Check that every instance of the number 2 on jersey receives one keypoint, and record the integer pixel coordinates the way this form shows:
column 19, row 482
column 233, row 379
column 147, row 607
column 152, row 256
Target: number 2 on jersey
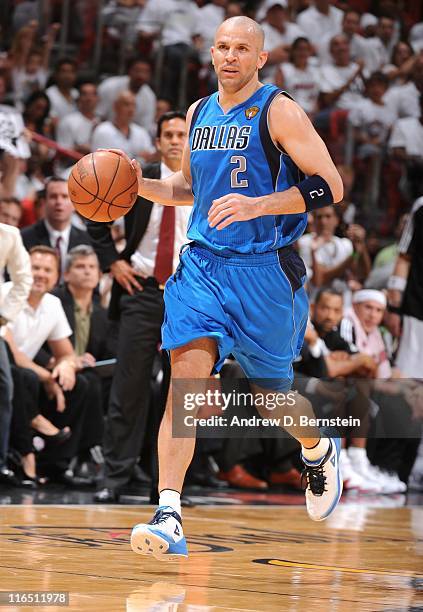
column 241, row 166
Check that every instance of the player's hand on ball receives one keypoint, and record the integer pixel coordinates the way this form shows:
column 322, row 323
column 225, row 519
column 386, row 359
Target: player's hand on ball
column 136, row 166
column 232, row 207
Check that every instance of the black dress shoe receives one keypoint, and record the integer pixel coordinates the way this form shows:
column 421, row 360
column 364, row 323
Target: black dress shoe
column 205, row 479
column 7, row 476
column 61, row 436
column 106, row 496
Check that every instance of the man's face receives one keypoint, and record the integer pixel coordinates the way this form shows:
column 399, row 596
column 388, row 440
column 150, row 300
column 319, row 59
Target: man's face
column 44, row 272
column 58, row 205
column 139, row 74
column 351, row 23
column 66, row 75
column 125, row 108
column 325, row 220
column 88, row 98
column 10, row 213
column 328, row 311
column 370, row 314
column 340, row 50
column 236, row 56
column 84, row 273
column 172, row 139
column 385, row 29
column 276, row 16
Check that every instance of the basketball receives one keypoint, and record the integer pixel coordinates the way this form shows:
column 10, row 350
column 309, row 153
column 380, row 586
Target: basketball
column 103, row 186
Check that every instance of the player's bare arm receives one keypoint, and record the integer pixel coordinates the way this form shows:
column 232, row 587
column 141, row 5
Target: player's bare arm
column 293, row 133
column 174, row 190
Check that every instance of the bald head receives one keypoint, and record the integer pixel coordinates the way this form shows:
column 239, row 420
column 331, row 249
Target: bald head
column 245, row 26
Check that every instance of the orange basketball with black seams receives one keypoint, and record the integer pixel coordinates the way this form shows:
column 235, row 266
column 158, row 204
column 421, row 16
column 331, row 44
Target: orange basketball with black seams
column 103, row 186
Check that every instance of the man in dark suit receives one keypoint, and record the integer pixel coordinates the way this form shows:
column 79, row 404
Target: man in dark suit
column 154, row 235
column 56, row 229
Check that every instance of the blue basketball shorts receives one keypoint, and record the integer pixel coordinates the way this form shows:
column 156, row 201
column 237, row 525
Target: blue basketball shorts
column 254, row 306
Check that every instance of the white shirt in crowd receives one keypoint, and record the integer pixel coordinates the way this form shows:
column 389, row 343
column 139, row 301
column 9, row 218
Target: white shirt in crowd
column 144, row 258
column 178, row 20
column 73, row 131
column 303, row 85
column 145, row 100
column 333, row 77
column 272, row 39
column 211, row 16
column 330, row 254
column 32, row 328
column 404, row 100
column 375, row 119
column 357, row 48
column 107, row 135
column 24, row 83
column 407, row 134
column 60, row 106
column 316, row 25
column 15, row 258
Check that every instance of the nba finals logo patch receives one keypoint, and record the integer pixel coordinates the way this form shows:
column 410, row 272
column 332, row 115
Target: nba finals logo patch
column 251, row 112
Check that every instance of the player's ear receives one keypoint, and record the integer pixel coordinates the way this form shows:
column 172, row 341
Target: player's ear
column 262, row 59
column 212, row 55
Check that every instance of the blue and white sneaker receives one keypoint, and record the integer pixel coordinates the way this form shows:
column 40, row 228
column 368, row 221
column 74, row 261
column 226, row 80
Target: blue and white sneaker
column 163, row 537
column 323, row 482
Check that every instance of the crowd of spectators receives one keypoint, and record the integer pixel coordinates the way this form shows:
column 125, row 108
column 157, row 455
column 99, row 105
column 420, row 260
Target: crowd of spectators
column 356, row 68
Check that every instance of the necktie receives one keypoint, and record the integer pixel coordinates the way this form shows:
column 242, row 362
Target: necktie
column 164, row 259
column 58, row 249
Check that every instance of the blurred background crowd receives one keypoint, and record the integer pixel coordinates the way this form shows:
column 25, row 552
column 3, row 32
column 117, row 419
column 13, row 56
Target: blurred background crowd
column 82, row 378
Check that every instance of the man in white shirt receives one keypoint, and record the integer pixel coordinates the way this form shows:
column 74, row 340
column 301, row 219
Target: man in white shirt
column 74, row 130
column 63, row 94
column 177, row 23
column 404, row 100
column 122, row 132
column 328, row 257
column 320, row 20
column 14, row 257
column 279, row 34
column 138, row 82
column 42, row 319
column 56, row 229
column 155, row 235
column 342, row 85
column 350, row 28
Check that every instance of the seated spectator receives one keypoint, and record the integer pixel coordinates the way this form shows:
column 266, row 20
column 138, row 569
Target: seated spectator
column 62, row 94
column 122, row 132
column 30, row 71
column 329, row 259
column 406, row 145
column 56, row 229
column 66, row 398
column 350, row 29
column 404, row 99
column 177, row 23
column 299, row 78
column 361, row 327
column 10, row 211
column 401, row 65
column 279, row 34
column 74, row 131
column 341, row 82
column 319, row 20
column 13, row 257
column 88, row 320
column 138, row 82
column 384, row 262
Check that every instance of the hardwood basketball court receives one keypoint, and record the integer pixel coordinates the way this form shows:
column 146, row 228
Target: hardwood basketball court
column 241, row 558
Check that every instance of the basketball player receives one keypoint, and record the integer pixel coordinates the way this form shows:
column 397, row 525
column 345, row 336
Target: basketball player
column 239, row 288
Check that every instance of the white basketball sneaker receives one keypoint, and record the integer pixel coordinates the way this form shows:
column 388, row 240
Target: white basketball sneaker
column 350, row 478
column 163, row 537
column 324, row 482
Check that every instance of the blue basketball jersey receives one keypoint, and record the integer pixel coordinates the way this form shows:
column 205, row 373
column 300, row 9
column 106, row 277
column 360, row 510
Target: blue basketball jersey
column 234, row 153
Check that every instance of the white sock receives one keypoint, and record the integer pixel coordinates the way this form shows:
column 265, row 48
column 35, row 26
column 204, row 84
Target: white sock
column 169, row 497
column 317, row 452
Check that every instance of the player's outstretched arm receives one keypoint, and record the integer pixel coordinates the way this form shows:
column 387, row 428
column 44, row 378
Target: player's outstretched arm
column 294, row 133
column 174, row 190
